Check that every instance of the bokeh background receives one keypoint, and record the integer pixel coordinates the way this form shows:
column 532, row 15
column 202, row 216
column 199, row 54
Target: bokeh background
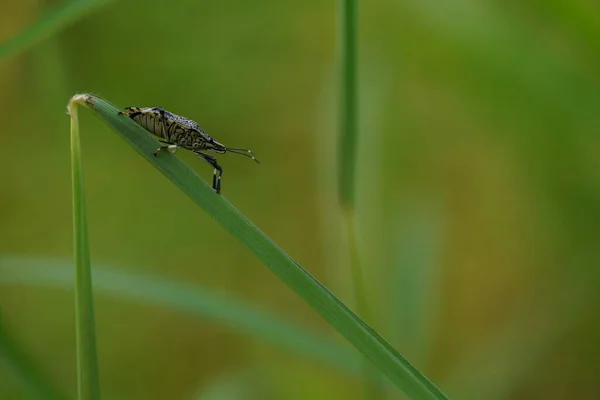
column 478, row 196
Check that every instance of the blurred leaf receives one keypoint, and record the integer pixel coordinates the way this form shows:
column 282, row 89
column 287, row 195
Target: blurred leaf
column 579, row 18
column 237, row 385
column 355, row 330
column 189, row 299
column 498, row 48
column 15, row 357
column 413, row 283
column 87, row 357
column 50, row 23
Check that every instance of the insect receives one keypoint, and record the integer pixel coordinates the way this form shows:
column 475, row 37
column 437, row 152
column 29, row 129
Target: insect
column 179, row 132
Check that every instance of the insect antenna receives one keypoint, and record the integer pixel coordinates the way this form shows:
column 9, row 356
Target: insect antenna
column 243, row 152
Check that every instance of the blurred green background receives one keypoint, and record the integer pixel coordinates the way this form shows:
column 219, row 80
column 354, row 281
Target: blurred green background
column 478, row 196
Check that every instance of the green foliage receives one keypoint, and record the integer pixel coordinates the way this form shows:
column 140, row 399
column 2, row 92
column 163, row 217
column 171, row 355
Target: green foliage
column 488, row 110
column 356, row 331
column 50, row 24
column 192, row 300
column 87, row 358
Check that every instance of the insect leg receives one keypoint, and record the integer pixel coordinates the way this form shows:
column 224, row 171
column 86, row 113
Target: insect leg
column 128, row 113
column 161, row 148
column 213, row 161
column 163, row 119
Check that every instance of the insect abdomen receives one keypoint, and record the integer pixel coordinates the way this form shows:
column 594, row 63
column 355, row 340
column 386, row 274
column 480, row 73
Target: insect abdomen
column 153, row 124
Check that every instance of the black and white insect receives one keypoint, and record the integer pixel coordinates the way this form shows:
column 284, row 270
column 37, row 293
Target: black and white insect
column 180, row 132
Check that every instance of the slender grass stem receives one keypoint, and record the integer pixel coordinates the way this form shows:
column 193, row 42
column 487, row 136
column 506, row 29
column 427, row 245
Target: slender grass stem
column 348, row 101
column 87, row 359
column 348, row 141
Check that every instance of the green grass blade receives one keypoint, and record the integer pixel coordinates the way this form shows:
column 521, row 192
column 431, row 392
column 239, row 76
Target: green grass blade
column 87, row 359
column 185, row 298
column 49, row 24
column 348, row 102
column 356, row 331
column 348, row 138
column 15, row 357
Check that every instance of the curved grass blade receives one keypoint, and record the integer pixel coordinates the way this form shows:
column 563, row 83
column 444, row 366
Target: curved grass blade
column 354, row 329
column 189, row 299
column 88, row 385
column 49, row 24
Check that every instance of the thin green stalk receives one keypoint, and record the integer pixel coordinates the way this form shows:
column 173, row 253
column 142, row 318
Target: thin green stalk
column 355, row 266
column 354, row 329
column 87, row 359
column 347, row 162
column 348, row 102
column 415, row 244
column 374, row 388
column 348, row 138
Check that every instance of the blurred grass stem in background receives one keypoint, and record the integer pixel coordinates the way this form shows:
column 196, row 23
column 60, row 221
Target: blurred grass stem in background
column 348, row 102
column 49, row 24
column 347, row 149
column 192, row 300
column 87, row 358
column 355, row 330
